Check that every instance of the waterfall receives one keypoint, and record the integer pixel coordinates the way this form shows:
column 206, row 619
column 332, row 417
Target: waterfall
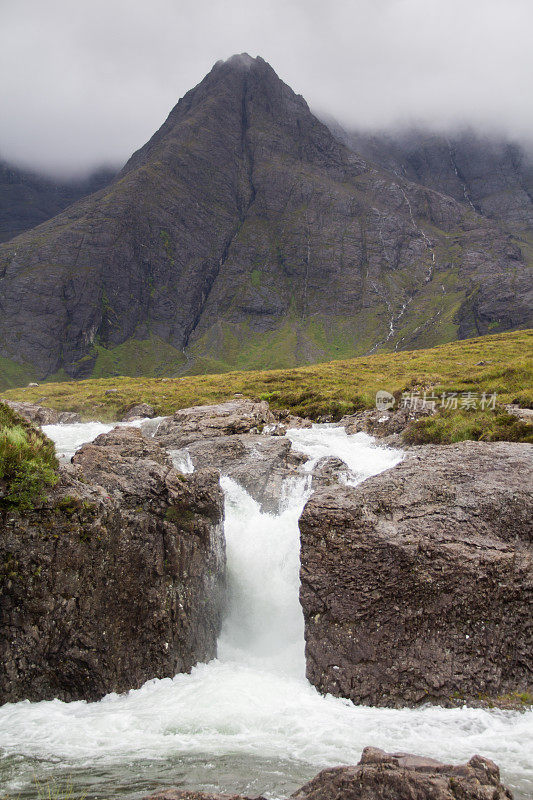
column 247, row 721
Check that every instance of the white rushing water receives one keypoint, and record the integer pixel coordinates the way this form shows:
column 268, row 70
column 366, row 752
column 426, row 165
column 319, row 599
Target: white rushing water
column 247, row 721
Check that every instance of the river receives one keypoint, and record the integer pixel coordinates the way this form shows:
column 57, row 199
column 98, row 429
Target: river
column 247, row 721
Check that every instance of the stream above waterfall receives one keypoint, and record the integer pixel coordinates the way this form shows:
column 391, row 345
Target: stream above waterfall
column 247, row 721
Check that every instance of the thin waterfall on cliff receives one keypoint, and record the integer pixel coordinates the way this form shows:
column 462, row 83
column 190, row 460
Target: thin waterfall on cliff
column 247, row 721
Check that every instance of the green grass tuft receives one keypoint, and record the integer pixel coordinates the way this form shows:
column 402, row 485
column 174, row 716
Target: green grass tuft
column 28, row 464
column 448, row 427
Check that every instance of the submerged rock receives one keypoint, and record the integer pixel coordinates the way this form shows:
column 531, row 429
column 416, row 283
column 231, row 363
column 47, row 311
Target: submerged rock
column 400, row 776
column 387, row 776
column 117, row 578
column 416, row 585
column 205, row 422
column 41, row 415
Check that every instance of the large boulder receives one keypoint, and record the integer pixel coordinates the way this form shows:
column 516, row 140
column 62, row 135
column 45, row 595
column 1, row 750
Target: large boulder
column 417, row 585
column 117, row 578
column 386, row 776
column 330, row 470
column 139, row 411
column 41, row 415
column 399, row 776
column 258, row 463
column 205, row 422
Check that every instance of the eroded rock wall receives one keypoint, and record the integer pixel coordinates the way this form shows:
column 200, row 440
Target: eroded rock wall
column 117, row 578
column 417, row 585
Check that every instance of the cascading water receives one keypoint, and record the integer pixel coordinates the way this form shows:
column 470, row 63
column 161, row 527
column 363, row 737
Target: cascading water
column 247, row 721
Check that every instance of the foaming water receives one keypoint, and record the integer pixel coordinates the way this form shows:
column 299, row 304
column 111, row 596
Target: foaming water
column 247, row 721
column 359, row 451
column 69, row 438
column 264, row 626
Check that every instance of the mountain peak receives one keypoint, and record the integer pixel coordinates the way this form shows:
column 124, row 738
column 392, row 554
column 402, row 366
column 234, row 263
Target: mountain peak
column 243, row 60
column 243, row 234
column 243, row 63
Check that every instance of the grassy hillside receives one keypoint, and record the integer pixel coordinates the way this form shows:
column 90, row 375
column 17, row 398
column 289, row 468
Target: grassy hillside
column 500, row 364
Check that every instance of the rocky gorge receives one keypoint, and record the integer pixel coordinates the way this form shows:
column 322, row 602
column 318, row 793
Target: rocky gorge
column 415, row 581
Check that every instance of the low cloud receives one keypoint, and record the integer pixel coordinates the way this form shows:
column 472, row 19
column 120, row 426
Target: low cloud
column 86, row 83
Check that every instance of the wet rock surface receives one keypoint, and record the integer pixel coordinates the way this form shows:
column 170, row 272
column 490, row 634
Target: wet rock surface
column 417, row 585
column 205, row 422
column 139, row 411
column 116, row 579
column 385, row 425
column 400, row 776
column 258, row 463
column 177, row 794
column 329, row 471
column 387, row 776
column 41, row 415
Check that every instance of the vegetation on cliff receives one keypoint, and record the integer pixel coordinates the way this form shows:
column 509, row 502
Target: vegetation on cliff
column 28, row 464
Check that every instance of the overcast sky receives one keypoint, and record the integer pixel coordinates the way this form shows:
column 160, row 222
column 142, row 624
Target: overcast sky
column 88, row 81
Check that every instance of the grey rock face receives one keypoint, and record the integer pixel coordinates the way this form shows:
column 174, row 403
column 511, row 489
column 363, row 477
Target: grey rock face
column 116, row 579
column 139, row 412
column 385, row 425
column 243, row 230
column 417, row 585
column 400, row 776
column 492, row 176
column 258, row 463
column 41, row 415
column 225, row 437
column 330, row 470
column 204, row 422
column 27, row 199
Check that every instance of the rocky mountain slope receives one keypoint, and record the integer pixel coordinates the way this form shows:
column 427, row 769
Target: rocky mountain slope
column 244, row 234
column 492, row 176
column 27, row 198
